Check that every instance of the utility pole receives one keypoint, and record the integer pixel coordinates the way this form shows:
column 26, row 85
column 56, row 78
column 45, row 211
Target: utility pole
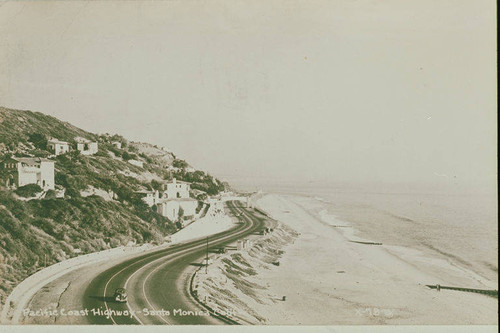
column 206, row 260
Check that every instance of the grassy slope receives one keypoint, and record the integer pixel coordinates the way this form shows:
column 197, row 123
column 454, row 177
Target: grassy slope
column 31, row 231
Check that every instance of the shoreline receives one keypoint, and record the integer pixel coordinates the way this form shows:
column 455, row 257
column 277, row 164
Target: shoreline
column 418, row 254
column 361, row 283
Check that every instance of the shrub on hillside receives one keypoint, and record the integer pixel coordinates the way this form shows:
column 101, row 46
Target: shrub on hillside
column 146, row 157
column 114, row 150
column 51, row 194
column 129, row 156
column 45, row 225
column 156, row 185
column 40, row 153
column 101, row 153
column 39, row 140
column 180, row 164
column 28, row 191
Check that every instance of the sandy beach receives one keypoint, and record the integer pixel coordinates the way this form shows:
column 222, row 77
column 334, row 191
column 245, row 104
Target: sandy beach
column 329, row 280
column 365, row 284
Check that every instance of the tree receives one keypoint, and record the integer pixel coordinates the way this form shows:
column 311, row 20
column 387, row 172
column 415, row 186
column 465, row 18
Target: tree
column 181, row 213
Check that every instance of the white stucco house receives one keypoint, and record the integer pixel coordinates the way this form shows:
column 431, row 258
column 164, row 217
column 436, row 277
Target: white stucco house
column 85, row 146
column 175, row 197
column 177, row 189
column 171, row 207
column 117, row 144
column 30, row 170
column 172, row 200
column 57, row 146
column 151, row 198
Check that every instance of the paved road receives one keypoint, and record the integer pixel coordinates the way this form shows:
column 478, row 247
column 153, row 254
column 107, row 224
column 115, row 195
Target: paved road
column 159, row 282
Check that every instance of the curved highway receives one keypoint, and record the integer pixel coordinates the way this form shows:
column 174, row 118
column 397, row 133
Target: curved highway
column 158, row 282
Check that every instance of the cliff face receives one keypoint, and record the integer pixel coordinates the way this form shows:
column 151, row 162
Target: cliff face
column 100, row 208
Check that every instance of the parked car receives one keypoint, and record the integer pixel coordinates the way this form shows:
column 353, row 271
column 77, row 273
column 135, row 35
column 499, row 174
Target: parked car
column 120, row 295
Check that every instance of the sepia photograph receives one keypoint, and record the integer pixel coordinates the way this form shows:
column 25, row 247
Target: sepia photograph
column 258, row 163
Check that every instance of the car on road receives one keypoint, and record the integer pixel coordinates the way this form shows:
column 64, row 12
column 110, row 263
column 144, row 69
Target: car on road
column 120, row 295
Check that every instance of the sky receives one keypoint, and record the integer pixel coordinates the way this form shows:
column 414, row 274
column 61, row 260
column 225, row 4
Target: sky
column 261, row 91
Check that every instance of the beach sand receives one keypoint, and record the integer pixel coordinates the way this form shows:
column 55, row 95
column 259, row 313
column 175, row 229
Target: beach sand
column 329, row 280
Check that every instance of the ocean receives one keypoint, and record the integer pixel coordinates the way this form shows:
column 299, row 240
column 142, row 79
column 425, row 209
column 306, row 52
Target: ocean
column 453, row 222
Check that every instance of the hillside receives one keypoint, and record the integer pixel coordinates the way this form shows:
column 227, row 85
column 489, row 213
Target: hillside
column 100, row 208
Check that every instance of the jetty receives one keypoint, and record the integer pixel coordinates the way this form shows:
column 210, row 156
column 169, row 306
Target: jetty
column 492, row 293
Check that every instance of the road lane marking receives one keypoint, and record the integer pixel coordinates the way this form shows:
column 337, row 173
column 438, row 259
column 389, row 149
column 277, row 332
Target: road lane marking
column 105, row 289
column 146, row 297
column 178, row 255
column 175, row 253
column 169, row 261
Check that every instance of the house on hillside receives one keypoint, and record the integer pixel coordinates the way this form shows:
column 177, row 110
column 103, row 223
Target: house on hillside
column 177, row 189
column 172, row 202
column 151, row 198
column 29, row 170
column 175, row 200
column 173, row 208
column 117, row 144
column 57, row 146
column 85, row 146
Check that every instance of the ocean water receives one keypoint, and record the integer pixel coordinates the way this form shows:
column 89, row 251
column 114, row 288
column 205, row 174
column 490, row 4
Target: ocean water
column 452, row 222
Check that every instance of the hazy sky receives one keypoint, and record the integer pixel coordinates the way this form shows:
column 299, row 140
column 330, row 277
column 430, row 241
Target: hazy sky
column 386, row 90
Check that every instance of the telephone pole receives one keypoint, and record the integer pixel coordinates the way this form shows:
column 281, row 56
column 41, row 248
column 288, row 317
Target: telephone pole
column 206, row 259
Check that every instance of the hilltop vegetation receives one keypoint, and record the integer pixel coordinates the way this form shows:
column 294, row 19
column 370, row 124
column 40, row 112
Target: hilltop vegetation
column 53, row 229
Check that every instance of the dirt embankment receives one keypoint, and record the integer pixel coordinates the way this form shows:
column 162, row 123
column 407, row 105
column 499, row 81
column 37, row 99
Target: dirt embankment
column 232, row 285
